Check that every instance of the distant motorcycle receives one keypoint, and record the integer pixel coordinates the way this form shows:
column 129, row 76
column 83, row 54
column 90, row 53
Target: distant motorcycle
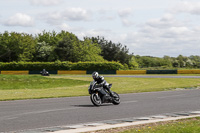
column 99, row 95
column 44, row 73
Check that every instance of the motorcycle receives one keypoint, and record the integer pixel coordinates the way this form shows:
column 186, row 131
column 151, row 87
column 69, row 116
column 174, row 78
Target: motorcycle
column 99, row 95
column 44, row 73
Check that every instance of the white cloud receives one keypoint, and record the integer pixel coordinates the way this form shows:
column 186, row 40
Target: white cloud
column 187, row 7
column 127, row 22
column 125, row 12
column 82, row 32
column 95, row 32
column 179, row 30
column 46, row 2
column 106, row 15
column 53, row 18
column 75, row 14
column 70, row 14
column 69, row 28
column 163, row 36
column 124, row 15
column 20, row 19
column 64, row 26
column 166, row 21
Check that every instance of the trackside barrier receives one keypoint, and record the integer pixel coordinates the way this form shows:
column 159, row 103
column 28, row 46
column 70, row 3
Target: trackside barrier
column 131, row 72
column 15, row 72
column 102, row 72
column 38, row 72
column 125, row 72
column 161, row 72
column 188, row 71
column 71, row 72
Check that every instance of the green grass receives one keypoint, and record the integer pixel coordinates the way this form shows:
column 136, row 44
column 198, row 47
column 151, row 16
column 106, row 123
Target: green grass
column 10, row 82
column 134, row 85
column 180, row 126
column 13, row 87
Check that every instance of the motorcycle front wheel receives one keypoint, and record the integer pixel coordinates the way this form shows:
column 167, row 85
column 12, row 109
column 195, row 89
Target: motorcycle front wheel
column 95, row 98
column 116, row 99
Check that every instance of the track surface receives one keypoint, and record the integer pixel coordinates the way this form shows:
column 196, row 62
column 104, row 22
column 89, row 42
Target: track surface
column 32, row 114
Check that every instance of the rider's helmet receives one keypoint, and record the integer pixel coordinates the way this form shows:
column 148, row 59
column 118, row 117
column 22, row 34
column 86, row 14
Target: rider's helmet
column 95, row 75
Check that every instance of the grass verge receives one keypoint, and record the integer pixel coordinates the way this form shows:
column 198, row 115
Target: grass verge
column 191, row 125
column 135, row 85
column 15, row 87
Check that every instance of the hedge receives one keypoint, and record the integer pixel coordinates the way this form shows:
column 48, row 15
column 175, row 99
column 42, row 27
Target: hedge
column 38, row 66
column 96, row 66
column 35, row 66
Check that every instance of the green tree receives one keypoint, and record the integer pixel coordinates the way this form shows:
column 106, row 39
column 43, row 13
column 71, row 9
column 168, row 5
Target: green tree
column 112, row 51
column 168, row 60
column 27, row 47
column 133, row 63
column 52, row 41
column 64, row 49
column 181, row 61
column 49, row 38
column 74, row 50
column 148, row 61
column 88, row 51
column 195, row 60
column 4, row 47
column 16, row 47
column 43, row 52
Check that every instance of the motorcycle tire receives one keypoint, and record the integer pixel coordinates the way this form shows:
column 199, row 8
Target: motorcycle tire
column 95, row 99
column 116, row 99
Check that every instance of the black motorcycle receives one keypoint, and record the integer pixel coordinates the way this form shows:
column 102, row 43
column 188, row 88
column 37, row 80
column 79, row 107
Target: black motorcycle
column 44, row 73
column 99, row 95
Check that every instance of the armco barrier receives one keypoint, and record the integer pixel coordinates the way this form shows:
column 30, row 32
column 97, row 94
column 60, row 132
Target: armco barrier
column 14, row 72
column 131, row 72
column 38, row 72
column 188, row 71
column 102, row 72
column 161, row 72
column 125, row 72
column 71, row 72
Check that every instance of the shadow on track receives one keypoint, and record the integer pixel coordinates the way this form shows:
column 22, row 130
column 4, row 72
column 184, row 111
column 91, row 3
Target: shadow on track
column 88, row 106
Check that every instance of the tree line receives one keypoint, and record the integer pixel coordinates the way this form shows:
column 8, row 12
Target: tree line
column 65, row 46
column 168, row 62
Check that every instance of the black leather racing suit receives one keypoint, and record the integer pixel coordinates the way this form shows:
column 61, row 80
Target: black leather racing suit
column 101, row 82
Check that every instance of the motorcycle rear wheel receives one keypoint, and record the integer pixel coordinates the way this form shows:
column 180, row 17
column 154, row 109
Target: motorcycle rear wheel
column 95, row 99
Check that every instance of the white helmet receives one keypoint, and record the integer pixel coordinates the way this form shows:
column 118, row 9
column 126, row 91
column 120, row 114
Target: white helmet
column 95, row 75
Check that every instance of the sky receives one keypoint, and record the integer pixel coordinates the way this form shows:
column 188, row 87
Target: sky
column 147, row 27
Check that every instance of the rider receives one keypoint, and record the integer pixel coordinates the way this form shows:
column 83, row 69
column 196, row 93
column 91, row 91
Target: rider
column 44, row 72
column 101, row 82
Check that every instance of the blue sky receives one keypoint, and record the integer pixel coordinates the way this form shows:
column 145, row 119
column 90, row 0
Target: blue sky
column 152, row 28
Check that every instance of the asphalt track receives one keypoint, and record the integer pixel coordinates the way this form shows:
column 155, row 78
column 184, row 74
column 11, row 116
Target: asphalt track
column 40, row 113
